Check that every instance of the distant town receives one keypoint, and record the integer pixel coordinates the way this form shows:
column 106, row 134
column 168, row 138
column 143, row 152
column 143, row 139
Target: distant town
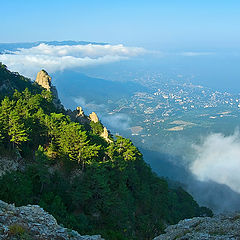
column 174, row 106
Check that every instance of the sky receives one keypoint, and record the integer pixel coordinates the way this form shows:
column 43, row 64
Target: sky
column 156, row 24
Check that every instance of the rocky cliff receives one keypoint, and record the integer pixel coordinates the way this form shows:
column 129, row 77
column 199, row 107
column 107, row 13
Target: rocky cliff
column 78, row 115
column 45, row 81
column 32, row 222
column 219, row 227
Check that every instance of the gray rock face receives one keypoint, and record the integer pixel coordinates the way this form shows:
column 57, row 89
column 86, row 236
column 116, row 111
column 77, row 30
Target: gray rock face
column 220, row 227
column 78, row 115
column 8, row 165
column 13, row 163
column 33, row 222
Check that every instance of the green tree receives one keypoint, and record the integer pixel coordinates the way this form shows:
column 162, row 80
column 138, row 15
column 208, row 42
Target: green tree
column 5, row 110
column 74, row 143
column 17, row 131
column 2, row 131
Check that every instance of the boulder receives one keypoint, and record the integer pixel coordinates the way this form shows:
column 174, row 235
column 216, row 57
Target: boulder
column 219, row 227
column 32, row 222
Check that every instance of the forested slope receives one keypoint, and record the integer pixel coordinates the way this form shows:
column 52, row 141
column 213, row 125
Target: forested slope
column 87, row 183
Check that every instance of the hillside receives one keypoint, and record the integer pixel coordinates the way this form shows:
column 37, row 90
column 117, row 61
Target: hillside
column 71, row 166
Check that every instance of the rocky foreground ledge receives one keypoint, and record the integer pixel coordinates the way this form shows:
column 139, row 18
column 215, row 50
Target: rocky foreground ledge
column 219, row 227
column 32, row 222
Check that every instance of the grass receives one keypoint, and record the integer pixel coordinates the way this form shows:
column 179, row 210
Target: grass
column 19, row 232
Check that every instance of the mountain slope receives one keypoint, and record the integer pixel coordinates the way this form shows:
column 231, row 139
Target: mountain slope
column 88, row 184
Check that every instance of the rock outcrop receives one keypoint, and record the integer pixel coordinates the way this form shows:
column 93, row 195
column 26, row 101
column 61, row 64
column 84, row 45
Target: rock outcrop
column 32, row 222
column 219, row 227
column 8, row 165
column 11, row 163
column 93, row 117
column 105, row 135
column 80, row 112
column 78, row 115
column 44, row 80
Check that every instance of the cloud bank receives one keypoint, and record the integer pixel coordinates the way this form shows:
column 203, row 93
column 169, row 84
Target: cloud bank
column 28, row 61
column 89, row 106
column 117, row 121
column 195, row 54
column 218, row 159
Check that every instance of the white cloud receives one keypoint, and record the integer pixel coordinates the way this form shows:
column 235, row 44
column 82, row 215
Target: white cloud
column 194, row 54
column 28, row 61
column 88, row 106
column 118, row 121
column 218, row 159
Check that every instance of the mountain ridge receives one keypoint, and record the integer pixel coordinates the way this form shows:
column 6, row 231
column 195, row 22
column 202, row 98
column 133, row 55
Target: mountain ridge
column 87, row 183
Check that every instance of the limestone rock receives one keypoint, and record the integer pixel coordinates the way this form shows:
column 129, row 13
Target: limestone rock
column 93, row 117
column 44, row 80
column 78, row 115
column 80, row 112
column 219, row 227
column 35, row 223
column 105, row 135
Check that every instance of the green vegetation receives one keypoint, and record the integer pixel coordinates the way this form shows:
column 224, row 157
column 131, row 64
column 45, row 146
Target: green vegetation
column 10, row 81
column 18, row 232
column 87, row 184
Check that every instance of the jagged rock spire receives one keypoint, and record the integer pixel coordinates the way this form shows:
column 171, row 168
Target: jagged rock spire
column 80, row 112
column 93, row 117
column 44, row 80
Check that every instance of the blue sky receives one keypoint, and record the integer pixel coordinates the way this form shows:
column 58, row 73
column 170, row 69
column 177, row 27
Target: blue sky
column 157, row 24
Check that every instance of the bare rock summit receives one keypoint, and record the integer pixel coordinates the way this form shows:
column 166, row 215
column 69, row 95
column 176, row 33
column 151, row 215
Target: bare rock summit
column 44, row 80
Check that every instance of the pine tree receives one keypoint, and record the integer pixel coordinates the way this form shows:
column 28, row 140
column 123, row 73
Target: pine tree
column 74, row 143
column 17, row 131
column 1, row 132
